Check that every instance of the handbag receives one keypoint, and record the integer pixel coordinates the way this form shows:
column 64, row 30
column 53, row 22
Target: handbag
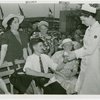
column 22, row 81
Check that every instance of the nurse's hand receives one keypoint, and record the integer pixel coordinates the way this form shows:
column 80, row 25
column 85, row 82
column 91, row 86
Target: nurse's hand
column 71, row 56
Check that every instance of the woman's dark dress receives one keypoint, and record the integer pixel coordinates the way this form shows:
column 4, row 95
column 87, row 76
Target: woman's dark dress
column 15, row 48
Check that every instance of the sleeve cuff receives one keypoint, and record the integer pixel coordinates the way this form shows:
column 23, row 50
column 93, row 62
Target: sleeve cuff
column 79, row 53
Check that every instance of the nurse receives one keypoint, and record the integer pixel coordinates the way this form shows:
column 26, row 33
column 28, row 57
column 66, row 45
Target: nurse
column 89, row 77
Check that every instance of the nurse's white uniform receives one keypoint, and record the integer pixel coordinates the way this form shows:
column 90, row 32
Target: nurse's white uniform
column 89, row 77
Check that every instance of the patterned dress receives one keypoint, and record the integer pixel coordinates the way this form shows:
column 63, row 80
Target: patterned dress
column 66, row 77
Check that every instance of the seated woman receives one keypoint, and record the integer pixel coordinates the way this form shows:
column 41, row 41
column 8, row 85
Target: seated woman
column 66, row 74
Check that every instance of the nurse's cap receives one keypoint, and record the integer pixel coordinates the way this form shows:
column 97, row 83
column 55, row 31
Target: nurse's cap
column 88, row 8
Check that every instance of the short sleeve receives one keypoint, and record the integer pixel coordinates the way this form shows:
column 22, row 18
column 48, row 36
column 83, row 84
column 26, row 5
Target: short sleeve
column 28, row 64
column 5, row 39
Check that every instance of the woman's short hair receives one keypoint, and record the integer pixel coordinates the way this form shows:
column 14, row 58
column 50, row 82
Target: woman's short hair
column 87, row 14
column 9, row 23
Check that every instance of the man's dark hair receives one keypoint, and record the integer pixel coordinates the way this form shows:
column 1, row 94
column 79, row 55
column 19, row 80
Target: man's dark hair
column 35, row 41
column 87, row 14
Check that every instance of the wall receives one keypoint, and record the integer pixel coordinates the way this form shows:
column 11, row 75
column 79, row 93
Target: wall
column 32, row 10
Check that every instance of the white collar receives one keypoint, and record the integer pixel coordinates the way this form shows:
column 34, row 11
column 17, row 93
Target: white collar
column 94, row 25
column 37, row 55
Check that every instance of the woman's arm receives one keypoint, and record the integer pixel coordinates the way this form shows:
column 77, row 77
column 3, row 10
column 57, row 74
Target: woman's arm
column 93, row 44
column 25, row 54
column 3, row 53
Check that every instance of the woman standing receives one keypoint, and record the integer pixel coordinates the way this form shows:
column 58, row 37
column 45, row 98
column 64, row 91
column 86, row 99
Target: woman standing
column 14, row 43
column 89, row 77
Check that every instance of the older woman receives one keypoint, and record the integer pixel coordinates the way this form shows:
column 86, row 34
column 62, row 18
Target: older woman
column 43, row 34
column 69, row 70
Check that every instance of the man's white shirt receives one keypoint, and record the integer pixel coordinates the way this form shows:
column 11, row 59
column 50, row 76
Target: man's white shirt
column 33, row 63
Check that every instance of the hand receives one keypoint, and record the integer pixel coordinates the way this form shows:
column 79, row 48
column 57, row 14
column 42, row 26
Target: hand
column 71, row 56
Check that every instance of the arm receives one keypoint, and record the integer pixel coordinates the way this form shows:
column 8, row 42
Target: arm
column 25, row 45
column 25, row 54
column 91, row 47
column 3, row 53
column 40, row 74
column 4, row 46
column 29, row 68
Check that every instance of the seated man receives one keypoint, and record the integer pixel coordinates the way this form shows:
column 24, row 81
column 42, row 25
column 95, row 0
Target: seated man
column 37, row 65
column 69, row 70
